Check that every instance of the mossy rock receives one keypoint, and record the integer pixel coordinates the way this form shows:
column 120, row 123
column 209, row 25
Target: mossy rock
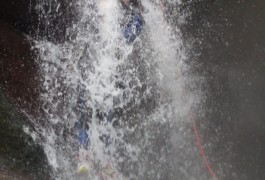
column 18, row 152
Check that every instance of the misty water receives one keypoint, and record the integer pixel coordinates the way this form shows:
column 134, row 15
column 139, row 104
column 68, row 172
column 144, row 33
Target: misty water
column 148, row 81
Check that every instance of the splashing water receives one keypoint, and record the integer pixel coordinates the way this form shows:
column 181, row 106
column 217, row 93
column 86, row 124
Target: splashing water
column 144, row 80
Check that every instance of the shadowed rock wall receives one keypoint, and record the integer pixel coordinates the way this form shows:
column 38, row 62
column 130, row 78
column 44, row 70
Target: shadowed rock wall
column 20, row 157
column 19, row 74
column 228, row 51
column 20, row 82
column 40, row 19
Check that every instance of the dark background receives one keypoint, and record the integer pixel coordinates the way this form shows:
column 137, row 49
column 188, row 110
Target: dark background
column 228, row 51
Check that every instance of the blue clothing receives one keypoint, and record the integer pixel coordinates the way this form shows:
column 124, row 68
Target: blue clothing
column 82, row 125
column 133, row 28
column 84, row 139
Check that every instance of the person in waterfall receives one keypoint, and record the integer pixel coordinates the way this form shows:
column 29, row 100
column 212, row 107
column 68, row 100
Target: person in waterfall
column 84, row 116
column 82, row 126
column 133, row 21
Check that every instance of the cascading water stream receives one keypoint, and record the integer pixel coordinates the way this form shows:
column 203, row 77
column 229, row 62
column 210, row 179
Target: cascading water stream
column 145, row 80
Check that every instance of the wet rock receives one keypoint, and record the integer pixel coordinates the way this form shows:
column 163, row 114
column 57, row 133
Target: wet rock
column 19, row 74
column 40, row 19
column 20, row 157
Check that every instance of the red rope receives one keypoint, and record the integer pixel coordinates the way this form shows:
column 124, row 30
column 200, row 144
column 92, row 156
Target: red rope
column 209, row 167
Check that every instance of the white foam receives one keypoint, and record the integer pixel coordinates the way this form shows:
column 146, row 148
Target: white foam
column 91, row 59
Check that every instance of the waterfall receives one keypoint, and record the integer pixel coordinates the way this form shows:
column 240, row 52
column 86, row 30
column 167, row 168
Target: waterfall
column 146, row 81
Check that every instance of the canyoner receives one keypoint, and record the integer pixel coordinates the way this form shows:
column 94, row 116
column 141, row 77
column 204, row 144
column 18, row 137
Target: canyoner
column 131, row 25
column 103, row 91
column 87, row 166
column 133, row 21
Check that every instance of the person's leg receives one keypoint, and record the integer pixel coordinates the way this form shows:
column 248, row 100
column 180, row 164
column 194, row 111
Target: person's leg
column 84, row 140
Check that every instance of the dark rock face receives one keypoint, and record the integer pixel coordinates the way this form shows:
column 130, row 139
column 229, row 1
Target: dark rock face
column 40, row 19
column 19, row 81
column 20, row 157
column 19, row 76
column 228, row 41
